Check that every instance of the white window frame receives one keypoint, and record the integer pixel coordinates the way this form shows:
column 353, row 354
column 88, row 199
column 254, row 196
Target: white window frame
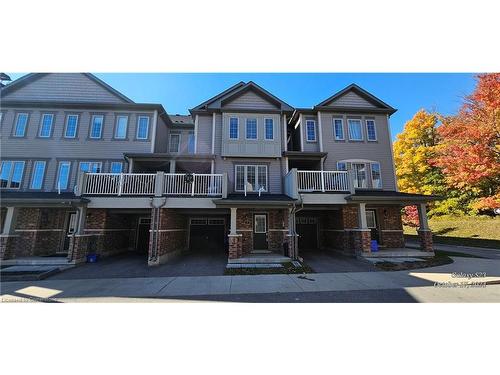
column 374, row 129
column 360, row 129
column 237, row 128
column 338, row 166
column 190, row 150
column 380, row 175
column 256, row 129
column 92, row 126
column 41, row 125
column 116, row 127
column 76, row 126
column 307, row 133
column 265, row 128
column 137, row 130
column 373, row 216
column 116, row 163
column 11, row 173
column 245, row 176
column 171, row 135
column 91, row 165
column 33, row 174
column 59, row 167
column 335, row 129
column 255, row 216
column 14, row 133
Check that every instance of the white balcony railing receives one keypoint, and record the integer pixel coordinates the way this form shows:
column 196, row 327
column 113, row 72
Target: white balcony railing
column 324, row 181
column 156, row 184
column 196, row 184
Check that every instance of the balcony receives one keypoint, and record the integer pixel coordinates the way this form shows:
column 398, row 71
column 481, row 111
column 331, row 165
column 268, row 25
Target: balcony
column 152, row 184
column 298, row 181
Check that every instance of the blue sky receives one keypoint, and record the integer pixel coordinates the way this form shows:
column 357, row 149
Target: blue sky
column 408, row 92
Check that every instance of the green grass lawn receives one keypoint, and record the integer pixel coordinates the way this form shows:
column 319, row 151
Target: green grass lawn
column 480, row 231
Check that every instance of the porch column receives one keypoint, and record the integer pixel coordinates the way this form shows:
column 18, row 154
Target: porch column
column 7, row 238
column 424, row 233
column 235, row 239
column 82, row 217
column 172, row 166
column 363, row 237
column 293, row 248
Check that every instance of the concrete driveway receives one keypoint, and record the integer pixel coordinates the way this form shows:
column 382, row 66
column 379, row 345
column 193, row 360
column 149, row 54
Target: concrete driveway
column 330, row 262
column 132, row 265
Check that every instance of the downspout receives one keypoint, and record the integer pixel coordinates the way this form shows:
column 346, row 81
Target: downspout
column 155, row 225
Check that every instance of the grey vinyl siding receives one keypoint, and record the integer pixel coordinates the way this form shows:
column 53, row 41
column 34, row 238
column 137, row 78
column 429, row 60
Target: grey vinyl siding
column 274, row 171
column 161, row 141
column 57, row 148
column 379, row 151
column 218, row 134
column 64, row 87
column 204, row 138
column 250, row 100
column 309, row 146
column 252, row 148
column 351, row 99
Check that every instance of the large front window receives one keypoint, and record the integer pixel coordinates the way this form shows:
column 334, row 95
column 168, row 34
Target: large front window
column 376, row 179
column 38, row 173
column 251, row 128
column 355, row 130
column 96, row 127
column 311, row 130
column 71, row 126
column 269, row 129
column 121, row 127
column 233, row 128
column 251, row 178
column 11, row 174
column 142, row 127
column 175, row 141
column 21, row 125
column 191, row 142
column 46, row 125
column 359, row 175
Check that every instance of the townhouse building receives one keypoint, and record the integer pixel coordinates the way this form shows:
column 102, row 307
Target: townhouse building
column 85, row 170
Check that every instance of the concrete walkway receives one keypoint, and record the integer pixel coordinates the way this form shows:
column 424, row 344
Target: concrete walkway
column 448, row 283
column 478, row 251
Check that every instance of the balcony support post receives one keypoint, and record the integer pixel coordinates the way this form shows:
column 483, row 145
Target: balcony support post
column 159, row 183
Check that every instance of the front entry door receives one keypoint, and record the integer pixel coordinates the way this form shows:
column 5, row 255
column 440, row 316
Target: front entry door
column 371, row 222
column 260, row 232
column 70, row 229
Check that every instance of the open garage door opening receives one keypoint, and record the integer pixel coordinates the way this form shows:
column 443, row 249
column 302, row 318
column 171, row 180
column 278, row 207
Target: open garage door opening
column 207, row 235
column 307, row 229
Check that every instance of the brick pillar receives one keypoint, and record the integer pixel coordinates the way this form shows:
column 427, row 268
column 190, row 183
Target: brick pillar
column 293, row 246
column 7, row 246
column 235, row 246
column 361, row 240
column 425, row 237
column 169, row 238
column 80, row 247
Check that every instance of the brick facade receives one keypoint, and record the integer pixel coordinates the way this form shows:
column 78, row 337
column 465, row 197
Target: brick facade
column 425, row 237
column 37, row 232
column 390, row 226
column 169, row 238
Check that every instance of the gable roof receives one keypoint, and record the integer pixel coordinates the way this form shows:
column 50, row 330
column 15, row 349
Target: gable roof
column 239, row 89
column 32, row 77
column 362, row 93
column 181, row 119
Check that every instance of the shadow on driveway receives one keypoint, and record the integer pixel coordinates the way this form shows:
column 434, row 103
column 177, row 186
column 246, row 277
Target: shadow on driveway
column 136, row 265
column 331, row 262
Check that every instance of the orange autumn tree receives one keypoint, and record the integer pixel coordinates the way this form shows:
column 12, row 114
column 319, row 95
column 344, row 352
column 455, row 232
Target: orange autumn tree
column 469, row 150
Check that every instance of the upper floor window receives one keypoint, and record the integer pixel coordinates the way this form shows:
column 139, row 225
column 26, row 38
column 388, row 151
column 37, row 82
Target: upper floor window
column 342, row 166
column 38, row 174
column 121, row 127
column 175, row 141
column 359, row 175
column 63, row 175
column 91, row 166
column 371, row 131
column 71, row 126
column 233, row 128
column 376, row 177
column 338, row 129
column 142, row 127
column 11, row 174
column 251, row 128
column 355, row 130
column 46, row 125
column 116, row 167
column 250, row 178
column 311, row 131
column 96, row 127
column 21, row 125
column 191, row 142
column 269, row 129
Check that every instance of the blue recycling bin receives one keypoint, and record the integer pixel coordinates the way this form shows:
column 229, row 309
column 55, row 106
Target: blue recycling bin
column 374, row 245
column 91, row 258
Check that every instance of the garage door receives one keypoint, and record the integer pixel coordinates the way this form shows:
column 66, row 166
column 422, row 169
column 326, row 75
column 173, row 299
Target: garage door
column 307, row 228
column 206, row 234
